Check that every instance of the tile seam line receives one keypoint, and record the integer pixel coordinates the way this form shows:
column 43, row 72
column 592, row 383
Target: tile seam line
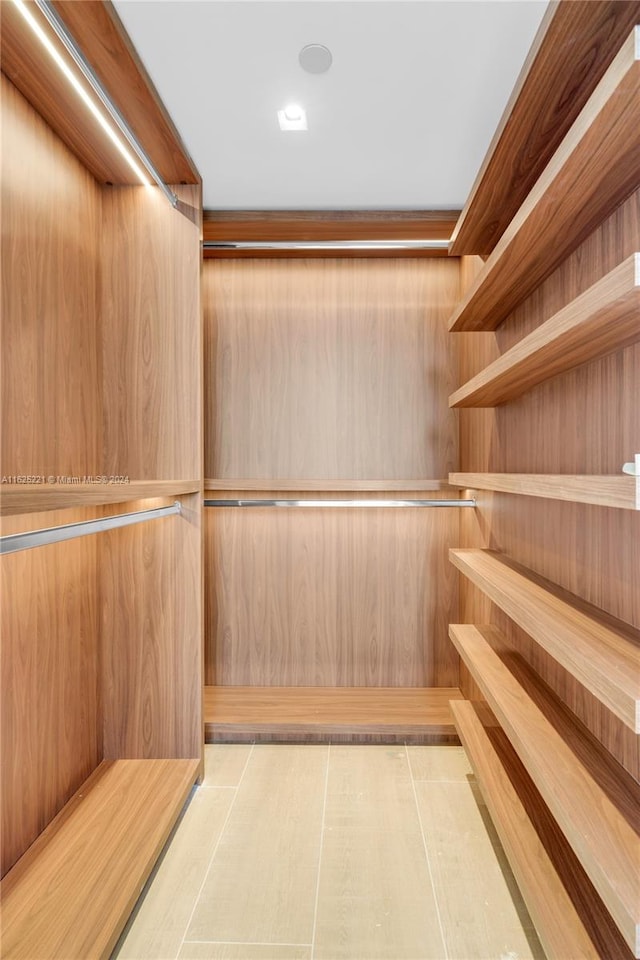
column 322, row 832
column 426, row 854
column 248, row 943
column 215, row 850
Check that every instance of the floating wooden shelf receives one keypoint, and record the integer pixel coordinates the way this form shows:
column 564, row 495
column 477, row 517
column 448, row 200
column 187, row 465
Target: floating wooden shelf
column 593, row 170
column 323, row 714
column 602, row 838
column 72, row 891
column 18, row 498
column 604, row 661
column 557, row 922
column 322, row 486
column 600, row 321
column 604, row 491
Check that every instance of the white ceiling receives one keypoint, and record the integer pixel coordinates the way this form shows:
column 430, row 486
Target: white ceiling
column 401, row 121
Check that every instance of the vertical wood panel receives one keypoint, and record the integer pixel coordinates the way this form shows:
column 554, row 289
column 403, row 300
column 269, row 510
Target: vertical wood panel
column 50, row 731
column 333, row 369
column 151, row 333
column 50, row 333
column 585, row 421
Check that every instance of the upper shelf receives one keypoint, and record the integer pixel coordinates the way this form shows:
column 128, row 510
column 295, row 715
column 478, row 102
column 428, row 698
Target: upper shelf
column 594, row 169
column 604, row 318
column 18, row 498
column 324, row 486
column 603, row 491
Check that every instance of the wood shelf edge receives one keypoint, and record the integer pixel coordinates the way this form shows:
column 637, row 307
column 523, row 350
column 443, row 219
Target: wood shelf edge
column 557, row 923
column 212, row 485
column 18, row 498
column 605, row 490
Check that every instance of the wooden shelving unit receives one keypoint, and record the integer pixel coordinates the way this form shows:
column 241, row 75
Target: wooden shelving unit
column 593, row 170
column 604, row 661
column 600, row 321
column 71, row 893
column 601, row 834
column 16, row 498
column 539, row 868
column 322, row 714
column 602, row 490
column 324, row 486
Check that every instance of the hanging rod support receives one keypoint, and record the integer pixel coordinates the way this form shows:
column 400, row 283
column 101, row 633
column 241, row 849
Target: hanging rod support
column 60, row 29
column 340, row 503
column 69, row 531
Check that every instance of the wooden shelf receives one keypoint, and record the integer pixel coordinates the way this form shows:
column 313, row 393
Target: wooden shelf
column 322, row 486
column 593, row 170
column 18, row 498
column 323, row 714
column 603, row 660
column 603, row 839
column 72, row 891
column 600, row 321
column 604, row 491
column 559, row 926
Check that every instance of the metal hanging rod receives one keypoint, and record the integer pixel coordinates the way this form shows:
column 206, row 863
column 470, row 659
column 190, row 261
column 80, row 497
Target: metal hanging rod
column 340, row 503
column 59, row 28
column 325, row 245
column 69, row 531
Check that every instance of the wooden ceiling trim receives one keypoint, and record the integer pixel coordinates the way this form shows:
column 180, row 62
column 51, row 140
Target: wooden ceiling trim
column 576, row 43
column 100, row 35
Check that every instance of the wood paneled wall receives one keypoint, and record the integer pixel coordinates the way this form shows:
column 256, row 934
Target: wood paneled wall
column 50, row 328
column 150, row 300
column 585, row 421
column 328, row 369
column 335, row 370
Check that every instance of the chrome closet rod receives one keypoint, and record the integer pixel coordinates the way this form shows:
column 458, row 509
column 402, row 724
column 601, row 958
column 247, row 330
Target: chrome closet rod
column 325, row 244
column 340, row 503
column 59, row 28
column 69, row 531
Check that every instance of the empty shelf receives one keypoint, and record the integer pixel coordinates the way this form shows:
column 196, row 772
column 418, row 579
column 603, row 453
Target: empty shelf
column 602, row 838
column 593, row 170
column 72, row 891
column 18, row 498
column 560, row 928
column 605, row 318
column 322, row 486
column 320, row 714
column 602, row 490
column 604, row 661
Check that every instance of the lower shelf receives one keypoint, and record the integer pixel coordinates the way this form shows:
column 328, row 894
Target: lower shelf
column 71, row 893
column 330, row 714
column 569, row 917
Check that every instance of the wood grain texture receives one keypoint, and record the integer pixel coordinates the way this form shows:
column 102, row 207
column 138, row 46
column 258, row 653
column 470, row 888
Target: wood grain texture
column 51, row 734
column 322, row 225
column 18, row 498
column 151, row 327
column 328, row 369
column 72, row 892
column 602, row 320
column 605, row 491
column 99, row 33
column 571, row 922
column 151, row 636
column 592, row 172
column 605, row 843
column 211, row 485
column 395, row 713
column 333, row 597
column 574, row 47
column 604, row 660
column 50, row 325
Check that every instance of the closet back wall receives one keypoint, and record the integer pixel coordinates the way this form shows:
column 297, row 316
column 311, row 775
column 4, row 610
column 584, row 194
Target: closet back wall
column 328, row 370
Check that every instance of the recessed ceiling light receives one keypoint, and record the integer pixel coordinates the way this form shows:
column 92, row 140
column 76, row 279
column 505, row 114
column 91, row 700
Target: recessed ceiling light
column 315, row 58
column 293, row 117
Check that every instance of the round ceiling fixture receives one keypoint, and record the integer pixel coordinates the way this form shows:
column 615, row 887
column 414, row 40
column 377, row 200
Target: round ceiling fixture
column 315, row 58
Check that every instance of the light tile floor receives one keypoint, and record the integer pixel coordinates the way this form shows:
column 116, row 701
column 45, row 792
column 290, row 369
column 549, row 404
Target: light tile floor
column 332, row 853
